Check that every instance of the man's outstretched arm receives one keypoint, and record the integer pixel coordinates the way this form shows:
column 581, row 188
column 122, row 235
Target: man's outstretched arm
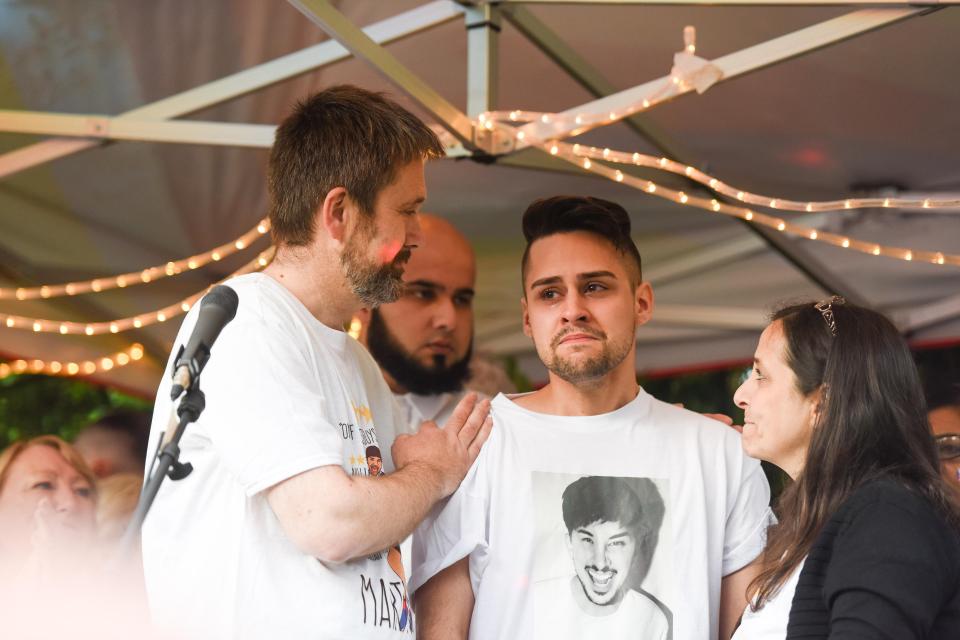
column 444, row 605
column 336, row 517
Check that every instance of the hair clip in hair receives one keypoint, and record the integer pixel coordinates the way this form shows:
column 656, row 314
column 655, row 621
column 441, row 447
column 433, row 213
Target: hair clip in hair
column 825, row 307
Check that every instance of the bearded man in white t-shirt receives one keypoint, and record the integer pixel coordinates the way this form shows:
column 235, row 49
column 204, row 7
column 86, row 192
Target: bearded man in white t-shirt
column 498, row 541
column 301, row 486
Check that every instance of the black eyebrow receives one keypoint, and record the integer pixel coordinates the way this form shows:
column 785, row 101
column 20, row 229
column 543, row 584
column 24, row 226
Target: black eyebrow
column 544, row 281
column 596, row 274
column 589, row 275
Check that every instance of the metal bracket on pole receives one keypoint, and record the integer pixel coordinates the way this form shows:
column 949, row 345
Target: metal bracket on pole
column 324, row 15
column 733, row 65
column 585, row 74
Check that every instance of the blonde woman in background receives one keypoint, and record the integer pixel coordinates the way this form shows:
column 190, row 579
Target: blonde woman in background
column 48, row 501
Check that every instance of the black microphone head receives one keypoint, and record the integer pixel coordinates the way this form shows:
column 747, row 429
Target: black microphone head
column 223, row 297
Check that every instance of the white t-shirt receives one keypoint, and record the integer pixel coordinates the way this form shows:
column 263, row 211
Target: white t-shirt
column 414, row 410
column 637, row 616
column 770, row 622
column 437, row 407
column 284, row 394
column 698, row 508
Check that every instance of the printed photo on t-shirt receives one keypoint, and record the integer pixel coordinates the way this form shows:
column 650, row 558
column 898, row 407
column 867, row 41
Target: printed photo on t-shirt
column 602, row 565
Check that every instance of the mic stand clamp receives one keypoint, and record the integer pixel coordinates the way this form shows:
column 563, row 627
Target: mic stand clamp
column 166, row 464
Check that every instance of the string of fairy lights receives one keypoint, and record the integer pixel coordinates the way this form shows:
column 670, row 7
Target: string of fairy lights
column 138, row 321
column 144, row 276
column 582, row 159
column 595, row 160
column 132, row 353
column 521, row 129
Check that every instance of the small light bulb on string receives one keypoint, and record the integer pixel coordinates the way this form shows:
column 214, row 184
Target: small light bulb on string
column 690, row 39
column 355, row 328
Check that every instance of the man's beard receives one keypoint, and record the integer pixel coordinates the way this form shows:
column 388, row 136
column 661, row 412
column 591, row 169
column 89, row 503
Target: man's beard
column 411, row 374
column 594, row 368
column 373, row 283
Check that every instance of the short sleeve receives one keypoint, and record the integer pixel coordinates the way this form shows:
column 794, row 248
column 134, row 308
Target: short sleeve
column 455, row 528
column 264, row 406
column 889, row 572
column 748, row 516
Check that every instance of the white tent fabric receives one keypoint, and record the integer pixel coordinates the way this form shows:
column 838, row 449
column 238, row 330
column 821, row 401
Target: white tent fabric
column 874, row 114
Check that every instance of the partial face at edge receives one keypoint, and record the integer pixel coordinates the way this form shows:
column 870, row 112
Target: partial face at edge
column 39, row 474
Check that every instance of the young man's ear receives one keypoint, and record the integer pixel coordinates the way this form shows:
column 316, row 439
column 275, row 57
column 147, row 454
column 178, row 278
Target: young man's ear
column 526, row 317
column 643, row 301
column 333, row 215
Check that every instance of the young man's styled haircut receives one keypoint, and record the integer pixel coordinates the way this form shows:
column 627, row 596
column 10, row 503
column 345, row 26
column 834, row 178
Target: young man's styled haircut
column 341, row 137
column 567, row 214
column 601, row 499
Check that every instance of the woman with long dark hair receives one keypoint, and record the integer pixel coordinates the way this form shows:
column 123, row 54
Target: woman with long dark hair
column 868, row 539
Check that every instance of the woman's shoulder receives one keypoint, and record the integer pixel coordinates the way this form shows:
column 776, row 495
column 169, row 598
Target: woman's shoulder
column 890, row 504
column 886, row 494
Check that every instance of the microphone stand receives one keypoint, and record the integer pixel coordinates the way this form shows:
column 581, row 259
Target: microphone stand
column 166, row 463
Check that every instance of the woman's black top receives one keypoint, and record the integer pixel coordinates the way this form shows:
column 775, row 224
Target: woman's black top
column 886, row 565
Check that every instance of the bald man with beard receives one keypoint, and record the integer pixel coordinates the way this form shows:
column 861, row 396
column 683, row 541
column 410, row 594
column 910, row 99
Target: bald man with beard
column 423, row 342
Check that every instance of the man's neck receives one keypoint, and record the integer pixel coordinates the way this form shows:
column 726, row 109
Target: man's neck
column 317, row 282
column 590, row 398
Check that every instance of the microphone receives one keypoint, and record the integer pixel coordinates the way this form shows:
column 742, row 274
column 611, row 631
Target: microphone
column 216, row 310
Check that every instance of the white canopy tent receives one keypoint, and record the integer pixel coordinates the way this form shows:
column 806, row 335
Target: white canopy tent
column 136, row 135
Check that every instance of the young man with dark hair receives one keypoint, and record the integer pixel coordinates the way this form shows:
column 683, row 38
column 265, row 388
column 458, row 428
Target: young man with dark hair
column 286, row 528
column 479, row 559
